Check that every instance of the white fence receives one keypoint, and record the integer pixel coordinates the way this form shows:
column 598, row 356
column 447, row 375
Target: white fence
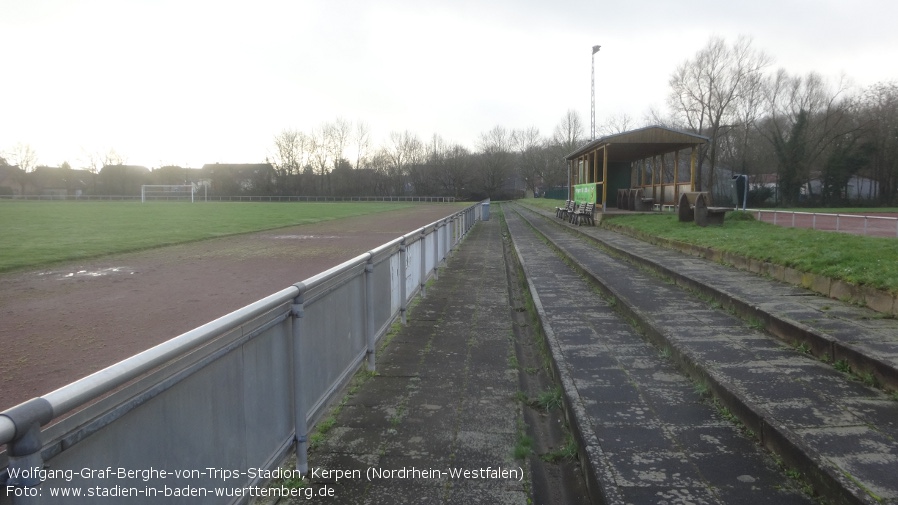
column 880, row 226
column 199, row 418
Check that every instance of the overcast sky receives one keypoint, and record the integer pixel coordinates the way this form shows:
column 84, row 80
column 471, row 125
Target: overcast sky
column 189, row 82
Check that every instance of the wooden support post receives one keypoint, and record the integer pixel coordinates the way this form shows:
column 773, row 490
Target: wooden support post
column 570, row 178
column 592, row 167
column 604, row 177
column 692, row 159
column 676, row 191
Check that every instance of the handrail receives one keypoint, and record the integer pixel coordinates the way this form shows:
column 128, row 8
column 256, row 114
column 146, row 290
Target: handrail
column 77, row 393
column 244, row 198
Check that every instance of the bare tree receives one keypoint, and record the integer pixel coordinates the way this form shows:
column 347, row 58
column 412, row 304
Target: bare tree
column 320, row 150
column 531, row 152
column 288, row 159
column 456, row 175
column 617, row 123
column 568, row 133
column 404, row 150
column 112, row 157
column 362, row 138
column 567, row 137
column 380, row 164
column 449, row 167
column 805, row 117
column 340, row 132
column 879, row 105
column 737, row 142
column 707, row 90
column 22, row 156
column 92, row 161
column 495, row 159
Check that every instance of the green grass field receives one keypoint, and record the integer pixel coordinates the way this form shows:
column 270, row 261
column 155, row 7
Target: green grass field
column 37, row 233
column 868, row 261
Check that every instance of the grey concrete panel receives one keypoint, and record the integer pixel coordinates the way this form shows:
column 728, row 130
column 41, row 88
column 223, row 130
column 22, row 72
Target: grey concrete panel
column 199, row 423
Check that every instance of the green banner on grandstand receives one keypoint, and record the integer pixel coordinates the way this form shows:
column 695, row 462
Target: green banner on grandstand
column 585, row 193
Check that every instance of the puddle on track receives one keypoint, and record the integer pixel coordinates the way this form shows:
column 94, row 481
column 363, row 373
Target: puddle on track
column 87, row 273
column 302, row 237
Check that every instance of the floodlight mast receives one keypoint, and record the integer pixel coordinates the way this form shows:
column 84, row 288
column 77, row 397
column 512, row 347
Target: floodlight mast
column 595, row 49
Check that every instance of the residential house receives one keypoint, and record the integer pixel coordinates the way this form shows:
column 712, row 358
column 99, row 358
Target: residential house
column 13, row 181
column 59, row 182
column 237, row 178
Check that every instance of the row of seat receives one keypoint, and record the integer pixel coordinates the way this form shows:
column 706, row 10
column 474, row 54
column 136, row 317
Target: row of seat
column 574, row 214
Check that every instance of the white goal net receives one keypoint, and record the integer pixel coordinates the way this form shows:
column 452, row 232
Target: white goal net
column 171, row 192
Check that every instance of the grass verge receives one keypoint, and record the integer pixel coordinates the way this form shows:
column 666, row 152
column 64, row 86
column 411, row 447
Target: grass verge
column 866, row 261
column 37, row 233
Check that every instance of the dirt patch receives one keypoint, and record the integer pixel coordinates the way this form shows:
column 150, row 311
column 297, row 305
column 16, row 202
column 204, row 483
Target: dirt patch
column 62, row 323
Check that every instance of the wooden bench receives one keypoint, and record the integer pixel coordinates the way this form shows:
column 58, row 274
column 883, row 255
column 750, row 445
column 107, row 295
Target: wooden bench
column 574, row 215
column 559, row 209
column 694, row 206
column 571, row 208
column 562, row 212
column 586, row 213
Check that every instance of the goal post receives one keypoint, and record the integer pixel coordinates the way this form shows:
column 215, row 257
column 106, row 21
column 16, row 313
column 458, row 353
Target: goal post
column 170, row 192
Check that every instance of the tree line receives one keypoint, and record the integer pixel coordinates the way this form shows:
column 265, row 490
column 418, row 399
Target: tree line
column 812, row 136
column 816, row 135
column 339, row 158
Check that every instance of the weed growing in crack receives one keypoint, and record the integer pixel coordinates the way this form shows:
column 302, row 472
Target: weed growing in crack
column 869, row 379
column 843, row 366
column 513, row 361
column 549, row 400
column 702, row 389
column 567, row 452
column 524, row 447
column 756, row 324
column 397, row 416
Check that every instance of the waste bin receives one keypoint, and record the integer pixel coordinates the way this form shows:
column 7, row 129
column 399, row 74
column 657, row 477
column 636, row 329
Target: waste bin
column 485, row 208
column 739, row 190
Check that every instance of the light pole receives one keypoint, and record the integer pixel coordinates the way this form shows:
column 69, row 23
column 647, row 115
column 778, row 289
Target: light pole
column 595, row 49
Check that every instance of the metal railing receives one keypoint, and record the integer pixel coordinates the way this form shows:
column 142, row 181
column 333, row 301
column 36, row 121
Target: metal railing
column 239, row 198
column 210, row 410
column 860, row 224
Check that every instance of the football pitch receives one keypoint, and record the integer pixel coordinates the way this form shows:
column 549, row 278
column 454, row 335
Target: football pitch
column 37, row 233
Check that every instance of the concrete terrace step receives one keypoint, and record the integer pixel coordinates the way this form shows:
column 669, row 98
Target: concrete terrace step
column 832, row 330
column 649, row 435
column 840, row 434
